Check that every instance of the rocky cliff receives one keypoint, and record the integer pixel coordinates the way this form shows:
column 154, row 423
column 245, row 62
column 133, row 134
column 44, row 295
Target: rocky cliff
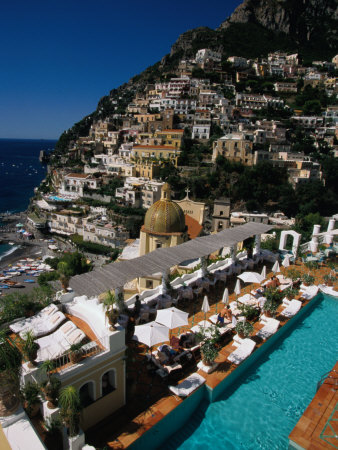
column 259, row 26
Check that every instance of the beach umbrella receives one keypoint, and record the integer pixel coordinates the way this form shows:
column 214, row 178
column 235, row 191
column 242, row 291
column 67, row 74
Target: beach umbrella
column 205, row 306
column 225, row 298
column 275, row 267
column 251, row 277
column 151, row 333
column 238, row 287
column 263, row 273
column 286, row 261
column 172, row 317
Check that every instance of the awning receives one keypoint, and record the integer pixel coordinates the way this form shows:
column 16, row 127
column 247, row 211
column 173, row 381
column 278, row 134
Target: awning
column 117, row 274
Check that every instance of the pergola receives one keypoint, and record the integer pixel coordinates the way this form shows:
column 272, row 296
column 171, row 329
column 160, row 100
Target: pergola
column 115, row 275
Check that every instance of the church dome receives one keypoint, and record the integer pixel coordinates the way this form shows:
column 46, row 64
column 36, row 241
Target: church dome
column 164, row 216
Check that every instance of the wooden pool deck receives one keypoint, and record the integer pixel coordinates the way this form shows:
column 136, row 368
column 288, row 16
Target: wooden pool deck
column 317, row 429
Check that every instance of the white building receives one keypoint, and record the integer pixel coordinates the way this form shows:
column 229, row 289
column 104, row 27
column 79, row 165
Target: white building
column 206, row 54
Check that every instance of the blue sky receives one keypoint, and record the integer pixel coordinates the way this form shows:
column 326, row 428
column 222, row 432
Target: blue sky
column 59, row 57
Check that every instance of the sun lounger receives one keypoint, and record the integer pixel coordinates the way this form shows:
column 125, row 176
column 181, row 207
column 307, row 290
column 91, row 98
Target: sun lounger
column 189, row 385
column 34, row 321
column 328, row 290
column 292, row 309
column 59, row 342
column 45, row 326
column 310, row 292
column 242, row 352
column 270, row 328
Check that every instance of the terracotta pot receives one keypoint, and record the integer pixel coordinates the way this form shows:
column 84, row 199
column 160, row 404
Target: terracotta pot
column 74, row 357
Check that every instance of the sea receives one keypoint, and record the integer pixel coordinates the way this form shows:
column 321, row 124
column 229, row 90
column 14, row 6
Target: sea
column 20, row 172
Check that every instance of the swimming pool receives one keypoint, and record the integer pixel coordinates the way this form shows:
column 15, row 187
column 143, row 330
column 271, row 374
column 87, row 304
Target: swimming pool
column 261, row 407
column 59, row 199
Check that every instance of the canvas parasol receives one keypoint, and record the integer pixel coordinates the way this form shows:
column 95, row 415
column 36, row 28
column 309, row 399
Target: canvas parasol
column 275, row 267
column 205, row 306
column 151, row 333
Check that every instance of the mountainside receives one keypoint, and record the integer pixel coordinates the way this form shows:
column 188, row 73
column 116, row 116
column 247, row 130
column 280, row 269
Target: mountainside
column 256, row 27
column 259, row 26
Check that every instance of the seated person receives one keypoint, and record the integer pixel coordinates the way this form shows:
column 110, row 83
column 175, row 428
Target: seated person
column 225, row 313
column 169, row 352
column 273, row 283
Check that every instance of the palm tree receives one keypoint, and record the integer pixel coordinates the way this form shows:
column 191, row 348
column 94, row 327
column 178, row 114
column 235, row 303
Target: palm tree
column 70, row 408
column 109, row 302
column 10, row 369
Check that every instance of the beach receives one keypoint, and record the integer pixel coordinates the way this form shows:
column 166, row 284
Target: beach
column 35, row 249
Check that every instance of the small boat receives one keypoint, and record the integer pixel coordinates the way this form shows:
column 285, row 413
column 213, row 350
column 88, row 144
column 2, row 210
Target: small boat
column 11, row 243
column 3, row 286
column 29, row 281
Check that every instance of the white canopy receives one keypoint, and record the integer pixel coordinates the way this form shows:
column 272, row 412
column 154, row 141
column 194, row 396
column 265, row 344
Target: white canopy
column 275, row 267
column 251, row 277
column 263, row 273
column 225, row 298
column 151, row 333
column 238, row 287
column 286, row 261
column 205, row 305
column 172, row 317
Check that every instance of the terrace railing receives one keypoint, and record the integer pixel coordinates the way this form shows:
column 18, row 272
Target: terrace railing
column 70, row 358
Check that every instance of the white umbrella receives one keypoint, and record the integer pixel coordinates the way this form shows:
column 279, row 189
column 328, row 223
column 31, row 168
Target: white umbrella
column 151, row 333
column 238, row 287
column 172, row 317
column 275, row 267
column 286, row 261
column 225, row 298
column 263, row 273
column 205, row 306
column 251, row 277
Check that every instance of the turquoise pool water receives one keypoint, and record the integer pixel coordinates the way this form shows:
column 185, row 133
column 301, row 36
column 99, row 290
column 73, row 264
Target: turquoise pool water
column 262, row 406
column 59, row 199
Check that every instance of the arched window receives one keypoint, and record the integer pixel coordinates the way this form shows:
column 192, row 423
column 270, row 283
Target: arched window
column 108, row 382
column 87, row 395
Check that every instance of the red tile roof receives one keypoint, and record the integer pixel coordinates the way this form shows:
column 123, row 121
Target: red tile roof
column 194, row 228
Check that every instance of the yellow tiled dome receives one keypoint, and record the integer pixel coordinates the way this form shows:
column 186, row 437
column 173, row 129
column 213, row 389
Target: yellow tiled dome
column 165, row 216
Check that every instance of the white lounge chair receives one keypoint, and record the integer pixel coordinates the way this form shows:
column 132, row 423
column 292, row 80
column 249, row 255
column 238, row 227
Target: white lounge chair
column 270, row 328
column 46, row 326
column 59, row 342
column 34, row 321
column 309, row 292
column 292, row 309
column 242, row 352
column 189, row 385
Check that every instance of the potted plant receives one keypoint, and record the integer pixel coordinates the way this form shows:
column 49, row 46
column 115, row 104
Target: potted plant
column 244, row 329
column 53, row 433
column 111, row 314
column 249, row 312
column 70, row 408
column 209, row 352
column 64, row 273
column 10, row 369
column 294, row 274
column 74, row 353
column 270, row 307
column 290, row 292
column 30, row 348
column 274, row 294
column 30, row 394
column 329, row 279
column 51, row 386
column 308, row 279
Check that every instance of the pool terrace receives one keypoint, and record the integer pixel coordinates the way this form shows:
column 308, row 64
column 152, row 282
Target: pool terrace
column 150, row 400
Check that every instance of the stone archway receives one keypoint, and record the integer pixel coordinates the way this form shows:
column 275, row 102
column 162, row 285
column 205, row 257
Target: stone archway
column 296, row 240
